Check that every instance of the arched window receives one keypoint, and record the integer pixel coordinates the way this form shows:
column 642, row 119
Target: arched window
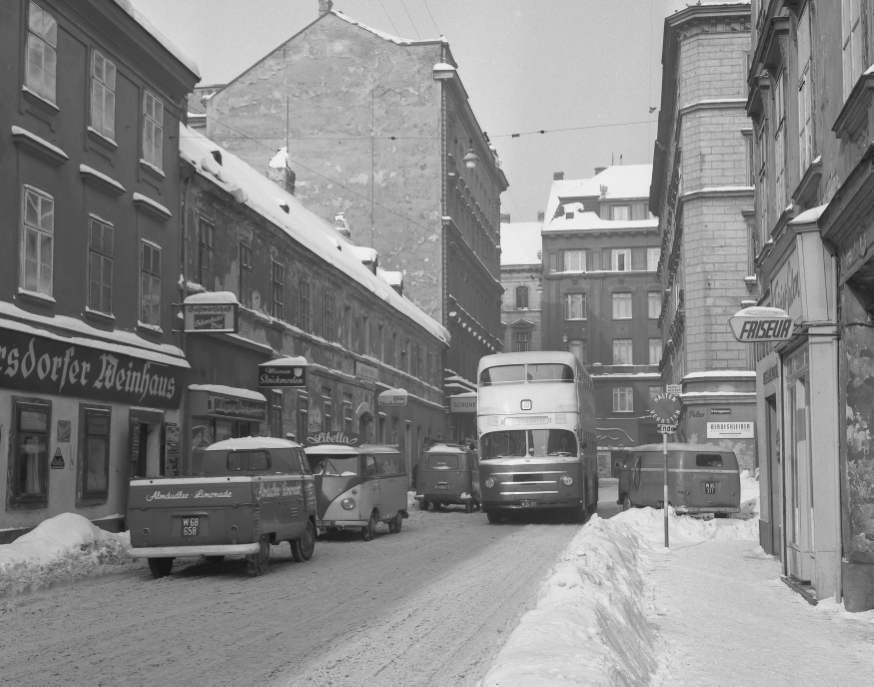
column 521, row 298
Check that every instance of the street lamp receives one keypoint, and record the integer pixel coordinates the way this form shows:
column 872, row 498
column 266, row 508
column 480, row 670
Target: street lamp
column 471, row 158
column 564, row 340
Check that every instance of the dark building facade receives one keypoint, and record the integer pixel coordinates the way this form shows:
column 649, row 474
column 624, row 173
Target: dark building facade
column 600, row 250
column 379, row 128
column 91, row 373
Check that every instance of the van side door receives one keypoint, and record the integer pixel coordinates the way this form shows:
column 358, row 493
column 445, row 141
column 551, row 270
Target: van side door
column 309, row 485
column 370, row 487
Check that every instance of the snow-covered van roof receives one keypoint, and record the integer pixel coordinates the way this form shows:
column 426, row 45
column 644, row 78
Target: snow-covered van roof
column 251, row 444
column 344, row 450
column 520, row 243
column 284, row 210
column 143, row 21
column 622, row 182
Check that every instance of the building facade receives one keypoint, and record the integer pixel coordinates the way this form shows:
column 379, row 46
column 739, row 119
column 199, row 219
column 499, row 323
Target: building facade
column 703, row 194
column 600, row 251
column 810, row 104
column 380, row 128
column 92, row 373
column 310, row 298
column 523, row 285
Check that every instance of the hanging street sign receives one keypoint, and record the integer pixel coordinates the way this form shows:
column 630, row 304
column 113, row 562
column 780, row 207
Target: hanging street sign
column 667, row 429
column 759, row 324
column 665, row 408
column 283, row 372
column 211, row 312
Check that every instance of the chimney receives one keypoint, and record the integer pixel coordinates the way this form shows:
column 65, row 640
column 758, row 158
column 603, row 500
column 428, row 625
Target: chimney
column 598, row 170
column 505, row 218
column 341, row 225
column 280, row 172
column 540, row 215
column 325, row 7
column 557, row 176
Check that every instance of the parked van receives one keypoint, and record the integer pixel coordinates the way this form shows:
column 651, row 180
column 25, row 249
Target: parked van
column 358, row 487
column 245, row 494
column 448, row 473
column 701, row 478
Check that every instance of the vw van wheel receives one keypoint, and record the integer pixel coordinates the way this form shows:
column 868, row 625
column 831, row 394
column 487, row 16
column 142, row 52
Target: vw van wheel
column 468, row 507
column 423, row 504
column 626, row 503
column 302, row 549
column 160, row 567
column 395, row 524
column 494, row 517
column 214, row 559
column 256, row 564
column 370, row 530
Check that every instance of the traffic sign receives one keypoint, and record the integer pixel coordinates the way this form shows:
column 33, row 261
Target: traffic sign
column 667, row 429
column 665, row 408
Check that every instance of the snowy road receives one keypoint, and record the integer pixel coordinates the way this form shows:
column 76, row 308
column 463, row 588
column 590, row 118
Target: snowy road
column 431, row 605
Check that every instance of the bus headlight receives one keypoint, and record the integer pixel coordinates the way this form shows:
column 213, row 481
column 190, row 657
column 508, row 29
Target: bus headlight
column 348, row 504
column 490, row 482
column 567, row 480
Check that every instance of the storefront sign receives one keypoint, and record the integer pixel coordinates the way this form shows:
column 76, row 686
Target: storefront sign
column 759, row 323
column 770, row 374
column 211, row 312
column 393, row 398
column 365, row 371
column 285, row 372
column 730, row 430
column 236, row 407
column 41, row 365
column 462, row 403
column 786, row 289
column 854, row 251
column 335, row 437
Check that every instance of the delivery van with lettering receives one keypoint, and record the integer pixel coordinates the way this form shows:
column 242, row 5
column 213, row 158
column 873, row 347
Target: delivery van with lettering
column 244, row 495
column 702, row 478
column 358, row 487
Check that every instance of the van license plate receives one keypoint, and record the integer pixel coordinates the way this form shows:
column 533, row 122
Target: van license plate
column 443, row 486
column 190, row 526
column 709, row 487
column 529, row 504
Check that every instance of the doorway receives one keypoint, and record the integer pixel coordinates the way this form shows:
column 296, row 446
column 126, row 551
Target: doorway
column 774, row 478
column 799, row 484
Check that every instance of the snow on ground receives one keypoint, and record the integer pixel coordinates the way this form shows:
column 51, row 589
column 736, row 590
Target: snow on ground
column 63, row 548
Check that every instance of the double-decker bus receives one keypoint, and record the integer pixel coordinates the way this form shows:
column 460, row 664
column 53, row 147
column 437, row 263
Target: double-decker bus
column 536, row 429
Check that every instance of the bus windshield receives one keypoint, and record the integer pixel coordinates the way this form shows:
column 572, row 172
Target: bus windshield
column 522, row 443
column 533, row 372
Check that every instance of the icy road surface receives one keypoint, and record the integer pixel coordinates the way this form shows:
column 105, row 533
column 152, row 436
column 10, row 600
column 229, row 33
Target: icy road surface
column 431, row 605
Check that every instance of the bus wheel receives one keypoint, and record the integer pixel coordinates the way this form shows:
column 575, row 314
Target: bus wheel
column 160, row 567
column 370, row 530
column 579, row 515
column 626, row 503
column 493, row 516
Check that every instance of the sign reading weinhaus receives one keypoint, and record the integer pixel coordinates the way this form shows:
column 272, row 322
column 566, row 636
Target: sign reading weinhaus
column 39, row 364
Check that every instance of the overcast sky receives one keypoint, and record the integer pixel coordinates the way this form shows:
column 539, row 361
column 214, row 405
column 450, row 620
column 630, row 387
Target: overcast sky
column 527, row 65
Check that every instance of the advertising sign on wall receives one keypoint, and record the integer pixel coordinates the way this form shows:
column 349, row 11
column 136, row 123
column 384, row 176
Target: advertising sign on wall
column 213, row 312
column 730, row 430
column 333, row 437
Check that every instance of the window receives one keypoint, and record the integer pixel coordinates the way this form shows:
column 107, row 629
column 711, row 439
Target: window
column 521, row 298
column 575, row 306
column 153, row 130
column 573, row 260
column 654, row 304
column 521, row 340
column 248, row 460
column 780, row 143
column 327, row 408
column 102, row 95
column 654, row 391
column 278, row 291
column 150, row 285
column 276, row 424
column 621, row 306
column 623, row 399
column 805, row 92
column 95, row 453
column 851, row 34
column 621, row 259
column 622, row 352
column 246, row 274
column 652, row 259
column 655, row 351
column 578, row 348
column 553, row 262
column 328, row 316
column 303, row 315
column 31, row 446
column 347, row 413
column 100, row 266
column 42, row 55
column 620, row 213
column 303, row 411
column 206, row 254
column 420, row 369
column 38, row 239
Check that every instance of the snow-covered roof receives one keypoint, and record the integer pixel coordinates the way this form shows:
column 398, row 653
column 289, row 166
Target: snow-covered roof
column 305, row 227
column 591, row 221
column 809, row 216
column 248, row 443
column 229, row 391
column 211, row 297
column 520, row 243
column 390, row 277
column 287, row 361
column 143, row 21
column 622, row 182
column 364, row 253
column 383, row 34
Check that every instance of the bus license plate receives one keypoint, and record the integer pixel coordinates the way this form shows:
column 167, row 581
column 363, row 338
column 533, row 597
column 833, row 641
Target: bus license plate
column 442, row 485
column 529, row 504
column 190, row 526
column 709, row 487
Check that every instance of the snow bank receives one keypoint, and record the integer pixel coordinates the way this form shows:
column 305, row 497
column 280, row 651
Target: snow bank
column 591, row 623
column 63, row 548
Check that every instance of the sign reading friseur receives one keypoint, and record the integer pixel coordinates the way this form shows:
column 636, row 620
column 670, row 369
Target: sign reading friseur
column 39, row 364
column 759, row 324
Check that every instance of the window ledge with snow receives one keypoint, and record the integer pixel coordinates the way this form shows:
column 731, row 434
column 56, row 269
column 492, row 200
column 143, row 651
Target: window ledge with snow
column 149, row 328
column 95, row 135
column 99, row 316
column 101, row 181
column 36, row 298
column 152, row 169
column 39, row 147
column 854, row 114
column 151, row 207
column 39, row 100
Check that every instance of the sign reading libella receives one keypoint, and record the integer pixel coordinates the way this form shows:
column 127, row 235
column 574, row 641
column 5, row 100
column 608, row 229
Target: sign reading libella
column 759, row 324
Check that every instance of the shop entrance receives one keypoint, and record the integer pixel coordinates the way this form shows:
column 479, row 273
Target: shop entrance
column 799, row 485
column 774, row 477
column 145, row 437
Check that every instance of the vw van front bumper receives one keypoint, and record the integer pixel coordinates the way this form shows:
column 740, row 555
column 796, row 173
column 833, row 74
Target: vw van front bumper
column 204, row 550
column 694, row 510
column 340, row 524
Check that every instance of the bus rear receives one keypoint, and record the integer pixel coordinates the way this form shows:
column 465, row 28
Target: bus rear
column 533, row 436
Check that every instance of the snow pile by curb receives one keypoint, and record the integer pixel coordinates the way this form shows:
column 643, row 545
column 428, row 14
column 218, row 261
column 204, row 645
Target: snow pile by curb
column 63, row 548
column 591, row 623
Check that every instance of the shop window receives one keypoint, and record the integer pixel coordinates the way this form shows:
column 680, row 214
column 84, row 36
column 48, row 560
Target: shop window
column 150, row 285
column 94, row 460
column 153, row 131
column 247, row 272
column 206, row 254
column 347, row 413
column 277, row 308
column 42, row 55
column 102, row 96
column 38, row 237
column 28, row 478
column 276, row 424
column 100, row 266
column 303, row 315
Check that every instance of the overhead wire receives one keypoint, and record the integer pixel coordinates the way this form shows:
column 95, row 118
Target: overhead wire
column 571, row 128
column 397, row 33
column 432, row 17
column 411, row 19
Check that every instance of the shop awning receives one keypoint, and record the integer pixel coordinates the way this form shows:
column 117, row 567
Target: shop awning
column 282, row 372
column 392, row 398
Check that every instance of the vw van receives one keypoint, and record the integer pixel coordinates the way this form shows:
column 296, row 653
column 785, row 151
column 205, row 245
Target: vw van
column 702, row 478
column 358, row 487
column 245, row 494
column 448, row 473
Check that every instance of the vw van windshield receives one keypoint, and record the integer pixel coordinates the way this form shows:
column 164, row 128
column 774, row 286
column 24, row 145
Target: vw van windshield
column 445, row 462
column 550, row 372
column 347, row 466
column 522, row 443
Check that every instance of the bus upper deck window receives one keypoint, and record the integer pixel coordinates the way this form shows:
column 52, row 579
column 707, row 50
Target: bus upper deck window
column 502, row 374
column 550, row 372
